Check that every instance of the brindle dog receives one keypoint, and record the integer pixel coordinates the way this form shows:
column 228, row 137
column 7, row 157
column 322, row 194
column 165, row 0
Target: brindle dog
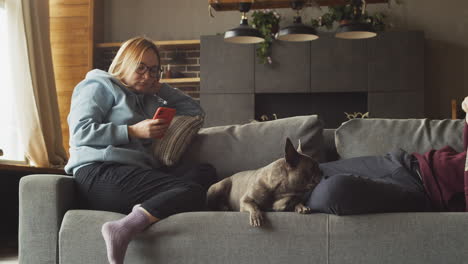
column 279, row 186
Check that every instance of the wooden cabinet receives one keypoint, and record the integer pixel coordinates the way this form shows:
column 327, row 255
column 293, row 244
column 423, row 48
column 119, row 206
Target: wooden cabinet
column 227, row 76
column 227, row 67
column 289, row 71
column 388, row 71
column 338, row 65
column 395, row 61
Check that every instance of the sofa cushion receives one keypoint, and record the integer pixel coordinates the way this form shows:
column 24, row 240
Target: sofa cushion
column 169, row 149
column 365, row 137
column 398, row 238
column 235, row 148
column 201, row 237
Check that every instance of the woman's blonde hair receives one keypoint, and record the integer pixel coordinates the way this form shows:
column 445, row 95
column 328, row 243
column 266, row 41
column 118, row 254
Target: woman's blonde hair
column 129, row 56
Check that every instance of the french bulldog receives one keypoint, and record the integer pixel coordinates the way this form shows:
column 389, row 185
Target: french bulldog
column 279, row 186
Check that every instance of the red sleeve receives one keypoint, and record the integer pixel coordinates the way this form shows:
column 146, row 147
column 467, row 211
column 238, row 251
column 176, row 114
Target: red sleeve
column 466, row 190
column 465, row 136
column 465, row 144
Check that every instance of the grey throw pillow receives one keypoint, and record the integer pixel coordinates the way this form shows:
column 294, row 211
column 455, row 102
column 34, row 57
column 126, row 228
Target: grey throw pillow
column 369, row 137
column 235, row 148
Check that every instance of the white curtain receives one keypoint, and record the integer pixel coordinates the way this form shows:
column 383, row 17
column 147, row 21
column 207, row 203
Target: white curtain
column 35, row 96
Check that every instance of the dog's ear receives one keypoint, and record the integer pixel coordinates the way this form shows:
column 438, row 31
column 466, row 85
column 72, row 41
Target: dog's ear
column 291, row 155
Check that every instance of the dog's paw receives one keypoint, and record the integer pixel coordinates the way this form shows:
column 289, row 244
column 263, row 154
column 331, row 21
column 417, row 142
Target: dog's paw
column 256, row 219
column 302, row 209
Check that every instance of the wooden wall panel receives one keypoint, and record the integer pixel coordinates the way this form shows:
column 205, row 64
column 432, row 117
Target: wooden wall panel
column 71, row 35
column 67, row 9
column 70, row 72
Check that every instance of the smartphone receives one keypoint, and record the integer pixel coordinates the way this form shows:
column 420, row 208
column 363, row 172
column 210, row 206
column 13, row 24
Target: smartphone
column 165, row 113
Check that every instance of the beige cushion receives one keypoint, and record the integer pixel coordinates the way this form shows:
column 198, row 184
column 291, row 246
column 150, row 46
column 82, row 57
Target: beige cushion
column 178, row 136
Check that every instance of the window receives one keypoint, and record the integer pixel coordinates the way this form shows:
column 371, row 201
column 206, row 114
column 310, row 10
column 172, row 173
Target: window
column 13, row 151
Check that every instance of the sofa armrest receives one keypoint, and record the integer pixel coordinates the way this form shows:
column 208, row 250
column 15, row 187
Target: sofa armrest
column 43, row 201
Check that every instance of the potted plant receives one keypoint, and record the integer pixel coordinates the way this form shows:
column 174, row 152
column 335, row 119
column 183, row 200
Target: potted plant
column 351, row 11
column 267, row 22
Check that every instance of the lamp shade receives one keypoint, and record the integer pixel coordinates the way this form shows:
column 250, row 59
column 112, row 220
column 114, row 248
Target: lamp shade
column 243, row 34
column 297, row 32
column 355, row 30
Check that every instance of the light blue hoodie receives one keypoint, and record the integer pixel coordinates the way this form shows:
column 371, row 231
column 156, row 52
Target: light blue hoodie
column 101, row 110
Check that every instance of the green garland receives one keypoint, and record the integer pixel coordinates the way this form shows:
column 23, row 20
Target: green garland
column 346, row 12
column 267, row 22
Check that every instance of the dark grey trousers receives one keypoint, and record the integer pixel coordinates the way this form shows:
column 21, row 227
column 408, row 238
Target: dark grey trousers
column 162, row 192
column 373, row 184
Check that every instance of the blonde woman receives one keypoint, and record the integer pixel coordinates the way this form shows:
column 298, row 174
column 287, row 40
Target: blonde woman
column 111, row 133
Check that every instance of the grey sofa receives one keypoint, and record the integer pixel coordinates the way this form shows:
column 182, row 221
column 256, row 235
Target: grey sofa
column 53, row 230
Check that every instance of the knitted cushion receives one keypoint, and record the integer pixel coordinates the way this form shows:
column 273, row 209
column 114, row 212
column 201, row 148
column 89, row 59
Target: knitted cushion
column 178, row 136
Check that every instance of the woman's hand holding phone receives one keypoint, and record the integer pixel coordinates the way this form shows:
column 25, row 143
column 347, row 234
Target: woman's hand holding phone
column 149, row 128
column 166, row 114
column 153, row 128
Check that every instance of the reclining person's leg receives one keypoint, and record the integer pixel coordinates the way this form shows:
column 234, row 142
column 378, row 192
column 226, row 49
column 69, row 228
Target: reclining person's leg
column 369, row 185
column 345, row 194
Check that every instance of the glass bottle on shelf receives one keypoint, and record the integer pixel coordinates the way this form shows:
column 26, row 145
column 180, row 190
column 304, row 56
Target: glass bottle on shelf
column 168, row 73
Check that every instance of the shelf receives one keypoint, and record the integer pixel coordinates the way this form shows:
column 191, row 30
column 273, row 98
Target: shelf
column 167, row 44
column 231, row 5
column 181, row 81
column 29, row 169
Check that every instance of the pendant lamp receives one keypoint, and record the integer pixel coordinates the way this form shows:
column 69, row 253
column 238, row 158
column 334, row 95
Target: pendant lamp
column 297, row 31
column 243, row 34
column 355, row 29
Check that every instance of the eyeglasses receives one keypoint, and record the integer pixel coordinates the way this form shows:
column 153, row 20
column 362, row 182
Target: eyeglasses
column 155, row 71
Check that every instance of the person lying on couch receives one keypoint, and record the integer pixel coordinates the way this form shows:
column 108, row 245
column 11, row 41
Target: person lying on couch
column 395, row 182
column 111, row 134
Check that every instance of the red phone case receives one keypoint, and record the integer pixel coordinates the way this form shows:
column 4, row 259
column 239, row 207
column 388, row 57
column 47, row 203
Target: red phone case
column 165, row 113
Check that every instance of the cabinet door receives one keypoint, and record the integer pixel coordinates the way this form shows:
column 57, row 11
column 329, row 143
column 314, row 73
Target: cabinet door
column 396, row 61
column 225, row 67
column 338, row 65
column 289, row 72
column 227, row 109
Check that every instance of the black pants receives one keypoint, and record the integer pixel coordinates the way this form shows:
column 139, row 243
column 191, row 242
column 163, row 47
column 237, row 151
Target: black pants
column 373, row 184
column 118, row 187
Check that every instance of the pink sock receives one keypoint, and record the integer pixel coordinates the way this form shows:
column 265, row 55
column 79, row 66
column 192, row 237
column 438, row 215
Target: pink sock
column 118, row 234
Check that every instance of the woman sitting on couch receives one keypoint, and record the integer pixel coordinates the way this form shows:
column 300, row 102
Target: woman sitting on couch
column 111, row 134
column 396, row 182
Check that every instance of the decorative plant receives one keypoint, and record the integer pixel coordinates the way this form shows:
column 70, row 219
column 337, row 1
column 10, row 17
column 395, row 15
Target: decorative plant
column 352, row 11
column 267, row 22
